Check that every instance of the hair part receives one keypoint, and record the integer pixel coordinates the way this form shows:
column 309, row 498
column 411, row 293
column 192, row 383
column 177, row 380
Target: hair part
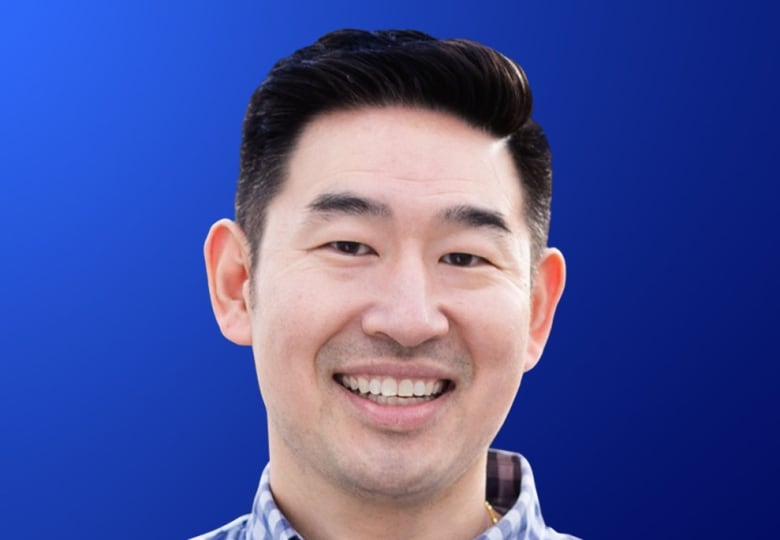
column 352, row 69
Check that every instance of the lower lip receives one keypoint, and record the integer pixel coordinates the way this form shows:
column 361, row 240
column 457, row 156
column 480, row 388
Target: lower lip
column 398, row 418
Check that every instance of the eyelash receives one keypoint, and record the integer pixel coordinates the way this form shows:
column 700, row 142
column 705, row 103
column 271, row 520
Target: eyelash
column 358, row 249
column 474, row 260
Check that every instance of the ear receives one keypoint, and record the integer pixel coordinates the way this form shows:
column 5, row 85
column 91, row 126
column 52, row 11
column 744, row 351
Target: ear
column 548, row 286
column 227, row 266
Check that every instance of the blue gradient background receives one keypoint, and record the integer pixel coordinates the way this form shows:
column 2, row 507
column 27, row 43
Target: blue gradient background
column 125, row 414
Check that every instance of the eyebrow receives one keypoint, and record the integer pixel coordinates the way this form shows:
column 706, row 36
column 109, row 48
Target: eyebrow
column 474, row 216
column 348, row 203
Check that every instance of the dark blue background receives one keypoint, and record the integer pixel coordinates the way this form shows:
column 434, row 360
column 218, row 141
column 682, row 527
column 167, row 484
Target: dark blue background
column 125, row 414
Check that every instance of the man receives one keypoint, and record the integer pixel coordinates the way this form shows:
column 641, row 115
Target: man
column 388, row 266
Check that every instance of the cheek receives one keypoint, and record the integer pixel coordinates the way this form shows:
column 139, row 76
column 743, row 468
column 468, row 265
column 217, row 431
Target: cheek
column 498, row 351
column 496, row 341
column 293, row 317
column 496, row 336
column 498, row 321
column 284, row 347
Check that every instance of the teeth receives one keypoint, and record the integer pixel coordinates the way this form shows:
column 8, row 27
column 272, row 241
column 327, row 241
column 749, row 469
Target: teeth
column 388, row 390
column 406, row 388
column 389, row 387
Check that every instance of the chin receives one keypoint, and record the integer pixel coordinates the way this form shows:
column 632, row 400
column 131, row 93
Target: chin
column 398, row 475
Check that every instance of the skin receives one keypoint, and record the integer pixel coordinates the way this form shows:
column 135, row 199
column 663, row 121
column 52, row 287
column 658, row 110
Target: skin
column 421, row 268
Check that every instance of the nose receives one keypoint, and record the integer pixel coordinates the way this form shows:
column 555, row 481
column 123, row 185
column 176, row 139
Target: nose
column 404, row 308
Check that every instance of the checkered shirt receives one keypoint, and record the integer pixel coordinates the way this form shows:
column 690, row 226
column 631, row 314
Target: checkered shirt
column 510, row 489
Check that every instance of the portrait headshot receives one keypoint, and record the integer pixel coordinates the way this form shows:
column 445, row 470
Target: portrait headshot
column 415, row 270
column 389, row 267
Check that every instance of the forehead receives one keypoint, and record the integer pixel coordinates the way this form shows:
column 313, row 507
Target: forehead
column 402, row 155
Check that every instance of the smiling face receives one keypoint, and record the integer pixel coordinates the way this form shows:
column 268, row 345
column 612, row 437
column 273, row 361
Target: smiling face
column 393, row 314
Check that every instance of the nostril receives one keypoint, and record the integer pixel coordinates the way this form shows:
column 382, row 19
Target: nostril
column 407, row 325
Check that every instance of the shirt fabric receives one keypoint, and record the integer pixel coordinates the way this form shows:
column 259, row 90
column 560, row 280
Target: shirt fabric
column 510, row 489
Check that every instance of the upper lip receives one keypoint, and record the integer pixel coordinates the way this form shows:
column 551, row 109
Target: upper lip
column 396, row 370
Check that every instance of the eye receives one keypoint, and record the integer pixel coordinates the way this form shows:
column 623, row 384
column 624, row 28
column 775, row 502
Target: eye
column 350, row 248
column 465, row 260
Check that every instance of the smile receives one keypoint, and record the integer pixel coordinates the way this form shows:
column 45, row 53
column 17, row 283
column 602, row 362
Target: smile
column 391, row 391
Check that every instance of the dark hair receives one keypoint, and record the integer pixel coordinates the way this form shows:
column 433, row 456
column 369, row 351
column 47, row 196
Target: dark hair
column 350, row 69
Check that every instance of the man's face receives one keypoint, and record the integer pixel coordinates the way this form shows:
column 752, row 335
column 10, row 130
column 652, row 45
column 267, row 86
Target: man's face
column 392, row 301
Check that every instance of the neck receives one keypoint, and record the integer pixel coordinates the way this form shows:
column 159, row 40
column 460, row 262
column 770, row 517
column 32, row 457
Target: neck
column 320, row 510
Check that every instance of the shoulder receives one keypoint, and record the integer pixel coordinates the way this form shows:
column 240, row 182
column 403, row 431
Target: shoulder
column 551, row 534
column 235, row 530
column 511, row 489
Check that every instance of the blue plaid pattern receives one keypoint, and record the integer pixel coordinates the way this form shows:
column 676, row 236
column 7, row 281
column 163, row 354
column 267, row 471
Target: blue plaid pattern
column 510, row 489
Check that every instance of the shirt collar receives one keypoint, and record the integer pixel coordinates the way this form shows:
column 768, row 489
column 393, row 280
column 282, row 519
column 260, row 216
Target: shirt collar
column 510, row 489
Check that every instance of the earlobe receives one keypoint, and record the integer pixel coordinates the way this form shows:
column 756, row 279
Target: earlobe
column 547, row 289
column 228, row 268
